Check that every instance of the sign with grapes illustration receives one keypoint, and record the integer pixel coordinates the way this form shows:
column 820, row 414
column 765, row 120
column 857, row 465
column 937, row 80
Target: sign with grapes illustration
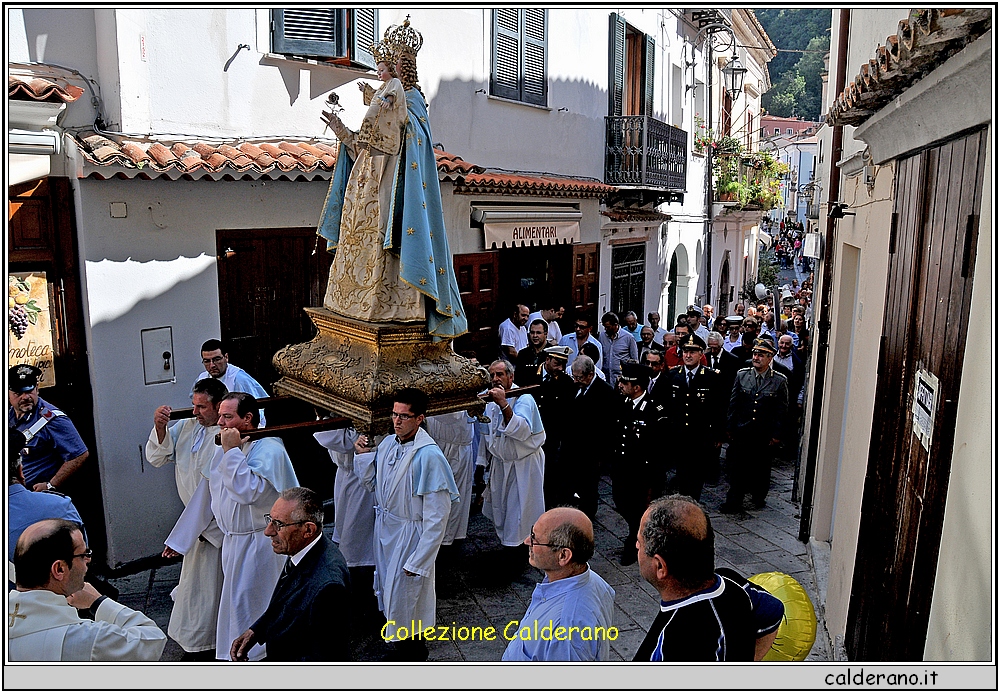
column 28, row 325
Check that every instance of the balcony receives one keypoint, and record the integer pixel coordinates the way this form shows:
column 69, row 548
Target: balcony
column 643, row 152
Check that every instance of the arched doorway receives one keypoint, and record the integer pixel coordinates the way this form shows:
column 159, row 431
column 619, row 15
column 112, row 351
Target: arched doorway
column 724, row 287
column 678, row 289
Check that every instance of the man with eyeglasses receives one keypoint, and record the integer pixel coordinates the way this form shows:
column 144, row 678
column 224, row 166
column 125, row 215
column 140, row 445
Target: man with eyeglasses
column 581, row 335
column 414, row 491
column 308, row 619
column 243, row 482
column 755, row 426
column 215, row 359
column 190, row 445
column 51, row 560
column 571, row 597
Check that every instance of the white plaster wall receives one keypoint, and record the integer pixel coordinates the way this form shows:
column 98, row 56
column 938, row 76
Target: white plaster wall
column 62, row 36
column 962, row 618
column 156, row 269
column 842, row 454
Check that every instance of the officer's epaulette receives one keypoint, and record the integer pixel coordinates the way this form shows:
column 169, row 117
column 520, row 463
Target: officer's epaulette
column 678, row 367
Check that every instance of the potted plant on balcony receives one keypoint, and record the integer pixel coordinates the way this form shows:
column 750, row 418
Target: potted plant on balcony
column 727, row 178
column 703, row 137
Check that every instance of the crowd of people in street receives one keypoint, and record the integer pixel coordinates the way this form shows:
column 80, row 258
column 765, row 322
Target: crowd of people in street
column 260, row 580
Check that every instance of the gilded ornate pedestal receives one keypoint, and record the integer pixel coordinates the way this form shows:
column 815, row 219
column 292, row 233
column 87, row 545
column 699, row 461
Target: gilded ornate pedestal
column 353, row 368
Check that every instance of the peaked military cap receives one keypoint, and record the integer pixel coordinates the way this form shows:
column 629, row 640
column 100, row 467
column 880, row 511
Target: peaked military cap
column 765, row 344
column 558, row 352
column 692, row 341
column 23, row 378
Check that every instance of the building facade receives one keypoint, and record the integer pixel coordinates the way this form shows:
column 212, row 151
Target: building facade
column 899, row 467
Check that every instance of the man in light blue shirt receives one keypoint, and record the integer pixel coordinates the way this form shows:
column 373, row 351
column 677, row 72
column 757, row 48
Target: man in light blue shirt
column 572, row 609
column 616, row 346
column 633, row 326
column 582, row 327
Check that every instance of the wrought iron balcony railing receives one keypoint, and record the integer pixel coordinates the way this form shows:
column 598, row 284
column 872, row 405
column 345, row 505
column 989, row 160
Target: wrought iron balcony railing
column 644, row 152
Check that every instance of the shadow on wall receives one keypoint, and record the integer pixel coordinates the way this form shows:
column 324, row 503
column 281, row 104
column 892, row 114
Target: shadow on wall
column 502, row 134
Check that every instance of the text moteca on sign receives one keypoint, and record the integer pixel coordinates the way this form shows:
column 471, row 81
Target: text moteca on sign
column 532, row 233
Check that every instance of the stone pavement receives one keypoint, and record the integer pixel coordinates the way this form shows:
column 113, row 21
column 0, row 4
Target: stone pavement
column 472, row 590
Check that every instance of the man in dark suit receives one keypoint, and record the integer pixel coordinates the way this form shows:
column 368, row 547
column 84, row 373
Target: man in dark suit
column 528, row 364
column 555, row 398
column 788, row 363
column 657, row 383
column 749, row 331
column 693, row 403
column 308, row 617
column 588, row 444
column 721, row 360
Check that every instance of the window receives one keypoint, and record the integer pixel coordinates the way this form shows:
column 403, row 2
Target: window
column 777, row 131
column 631, row 61
column 518, row 69
column 343, row 35
column 788, row 131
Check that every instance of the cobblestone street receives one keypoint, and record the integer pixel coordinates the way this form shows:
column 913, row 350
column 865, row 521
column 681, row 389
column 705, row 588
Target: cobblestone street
column 472, row 589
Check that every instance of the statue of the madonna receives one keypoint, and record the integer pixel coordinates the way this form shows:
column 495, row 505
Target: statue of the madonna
column 383, row 218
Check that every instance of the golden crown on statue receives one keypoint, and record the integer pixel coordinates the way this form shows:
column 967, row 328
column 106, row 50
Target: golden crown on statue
column 403, row 38
column 381, row 51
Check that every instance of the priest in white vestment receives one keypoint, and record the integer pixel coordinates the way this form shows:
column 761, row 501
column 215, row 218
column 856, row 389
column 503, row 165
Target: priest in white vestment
column 245, row 480
column 353, row 504
column 190, row 445
column 453, row 432
column 414, row 491
column 511, row 449
column 42, row 620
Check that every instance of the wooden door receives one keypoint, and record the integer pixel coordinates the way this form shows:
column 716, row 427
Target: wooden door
column 42, row 238
column 586, row 261
column 932, row 251
column 628, row 279
column 477, row 284
column 266, row 278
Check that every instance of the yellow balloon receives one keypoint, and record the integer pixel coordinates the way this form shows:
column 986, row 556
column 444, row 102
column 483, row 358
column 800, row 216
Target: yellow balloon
column 797, row 631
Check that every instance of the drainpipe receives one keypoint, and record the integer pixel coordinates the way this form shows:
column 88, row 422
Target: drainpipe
column 708, row 186
column 823, row 322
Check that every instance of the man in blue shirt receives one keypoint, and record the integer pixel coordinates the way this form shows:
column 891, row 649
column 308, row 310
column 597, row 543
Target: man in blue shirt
column 54, row 449
column 616, row 345
column 572, row 609
column 581, row 335
column 27, row 508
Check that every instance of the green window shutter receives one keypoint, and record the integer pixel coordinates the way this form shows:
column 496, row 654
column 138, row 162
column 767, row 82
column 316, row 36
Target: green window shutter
column 649, row 65
column 616, row 65
column 306, row 32
column 534, row 85
column 505, row 77
column 364, row 32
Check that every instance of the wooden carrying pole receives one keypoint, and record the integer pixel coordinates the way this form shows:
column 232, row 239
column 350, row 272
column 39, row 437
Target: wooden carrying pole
column 319, row 425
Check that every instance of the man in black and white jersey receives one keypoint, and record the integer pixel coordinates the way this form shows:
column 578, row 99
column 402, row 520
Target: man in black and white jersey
column 703, row 616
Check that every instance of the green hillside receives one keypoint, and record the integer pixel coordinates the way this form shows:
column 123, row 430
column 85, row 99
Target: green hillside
column 795, row 76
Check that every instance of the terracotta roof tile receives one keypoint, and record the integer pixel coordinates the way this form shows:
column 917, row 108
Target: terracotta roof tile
column 623, row 214
column 924, row 40
column 148, row 158
column 197, row 158
column 29, row 88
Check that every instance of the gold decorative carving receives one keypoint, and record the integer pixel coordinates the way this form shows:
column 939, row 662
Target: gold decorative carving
column 353, row 368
